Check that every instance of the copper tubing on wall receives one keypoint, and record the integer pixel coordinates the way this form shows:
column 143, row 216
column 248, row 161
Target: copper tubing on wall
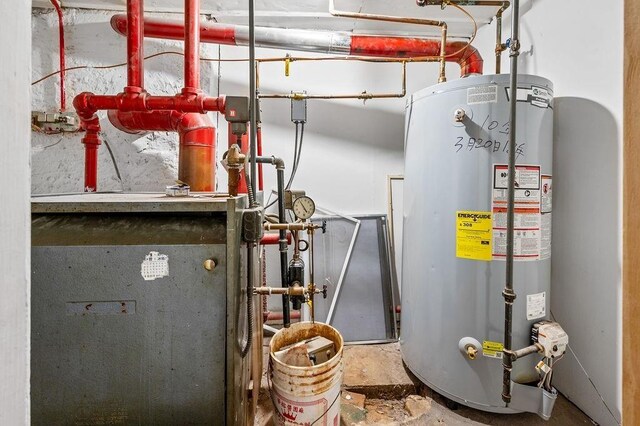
column 363, row 96
column 500, row 47
column 404, row 20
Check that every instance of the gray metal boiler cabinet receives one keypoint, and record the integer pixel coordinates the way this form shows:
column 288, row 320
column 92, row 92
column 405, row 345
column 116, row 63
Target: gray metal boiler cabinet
column 128, row 327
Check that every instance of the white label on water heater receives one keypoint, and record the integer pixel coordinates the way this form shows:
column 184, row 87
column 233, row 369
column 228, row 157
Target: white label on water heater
column 482, row 94
column 154, row 265
column 528, row 225
column 536, row 306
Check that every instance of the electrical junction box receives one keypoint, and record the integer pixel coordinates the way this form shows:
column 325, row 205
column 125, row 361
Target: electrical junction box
column 551, row 336
column 299, row 109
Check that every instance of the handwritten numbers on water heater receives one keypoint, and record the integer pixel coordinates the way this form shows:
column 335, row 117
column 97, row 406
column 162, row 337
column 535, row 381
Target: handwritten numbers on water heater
column 469, row 143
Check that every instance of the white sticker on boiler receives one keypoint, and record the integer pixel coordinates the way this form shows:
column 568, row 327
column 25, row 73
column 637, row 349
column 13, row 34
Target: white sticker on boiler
column 155, row 265
column 536, row 306
column 482, row 94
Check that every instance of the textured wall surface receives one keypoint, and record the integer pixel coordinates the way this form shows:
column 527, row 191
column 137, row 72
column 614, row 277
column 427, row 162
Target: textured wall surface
column 145, row 162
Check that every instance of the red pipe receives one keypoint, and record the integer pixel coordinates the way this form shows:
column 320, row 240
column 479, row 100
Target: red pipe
column 135, row 44
column 135, row 111
column 273, row 239
column 197, row 140
column 259, row 148
column 63, row 95
column 467, row 57
column 191, row 46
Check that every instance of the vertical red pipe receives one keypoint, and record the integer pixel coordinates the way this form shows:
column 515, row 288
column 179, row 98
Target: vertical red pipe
column 63, row 95
column 259, row 147
column 135, row 40
column 91, row 142
column 191, row 46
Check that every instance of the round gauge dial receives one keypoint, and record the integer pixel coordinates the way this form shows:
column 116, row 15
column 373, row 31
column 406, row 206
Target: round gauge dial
column 303, row 207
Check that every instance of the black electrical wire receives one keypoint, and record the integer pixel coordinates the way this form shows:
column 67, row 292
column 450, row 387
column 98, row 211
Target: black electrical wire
column 113, row 159
column 296, row 160
column 297, row 150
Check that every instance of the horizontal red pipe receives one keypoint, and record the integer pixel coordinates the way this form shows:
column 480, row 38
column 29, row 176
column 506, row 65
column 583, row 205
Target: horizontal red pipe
column 465, row 55
column 273, row 239
column 460, row 52
column 174, row 30
column 88, row 103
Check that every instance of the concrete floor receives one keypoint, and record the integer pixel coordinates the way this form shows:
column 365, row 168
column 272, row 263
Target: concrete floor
column 393, row 396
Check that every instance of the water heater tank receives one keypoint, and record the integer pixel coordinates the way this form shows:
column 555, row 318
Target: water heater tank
column 455, row 199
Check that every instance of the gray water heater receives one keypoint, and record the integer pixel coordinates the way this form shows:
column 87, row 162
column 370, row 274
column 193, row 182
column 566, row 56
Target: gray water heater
column 455, row 200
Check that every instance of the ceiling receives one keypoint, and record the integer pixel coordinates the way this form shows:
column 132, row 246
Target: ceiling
column 313, row 14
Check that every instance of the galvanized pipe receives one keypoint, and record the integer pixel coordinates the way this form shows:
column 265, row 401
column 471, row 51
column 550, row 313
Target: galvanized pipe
column 253, row 148
column 508, row 292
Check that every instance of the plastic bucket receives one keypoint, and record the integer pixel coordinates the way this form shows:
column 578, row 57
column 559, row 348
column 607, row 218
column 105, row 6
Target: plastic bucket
column 306, row 395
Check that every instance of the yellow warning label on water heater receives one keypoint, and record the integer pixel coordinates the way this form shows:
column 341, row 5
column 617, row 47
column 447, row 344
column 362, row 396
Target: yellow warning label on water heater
column 492, row 349
column 473, row 235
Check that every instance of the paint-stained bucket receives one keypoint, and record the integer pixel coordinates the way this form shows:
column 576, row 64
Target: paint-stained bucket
column 306, row 395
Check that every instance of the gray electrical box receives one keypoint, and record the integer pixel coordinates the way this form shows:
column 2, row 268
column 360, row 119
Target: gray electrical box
column 127, row 325
column 299, row 110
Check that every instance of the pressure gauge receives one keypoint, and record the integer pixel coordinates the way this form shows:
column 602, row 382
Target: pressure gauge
column 303, row 207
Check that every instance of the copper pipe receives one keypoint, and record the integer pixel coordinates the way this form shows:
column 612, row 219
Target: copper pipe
column 364, row 95
column 277, row 316
column 443, row 45
column 443, row 3
column 404, row 20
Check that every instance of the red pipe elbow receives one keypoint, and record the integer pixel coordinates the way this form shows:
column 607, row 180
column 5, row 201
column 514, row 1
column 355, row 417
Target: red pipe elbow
column 196, row 165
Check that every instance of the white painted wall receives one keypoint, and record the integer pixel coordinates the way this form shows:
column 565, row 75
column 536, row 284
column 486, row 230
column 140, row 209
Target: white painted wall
column 578, row 45
column 15, row 223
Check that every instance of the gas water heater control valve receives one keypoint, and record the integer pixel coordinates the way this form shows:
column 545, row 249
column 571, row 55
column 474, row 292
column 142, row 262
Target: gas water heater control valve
column 551, row 337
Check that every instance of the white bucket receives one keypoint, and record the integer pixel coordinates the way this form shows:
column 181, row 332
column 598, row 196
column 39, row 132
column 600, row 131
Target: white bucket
column 306, row 395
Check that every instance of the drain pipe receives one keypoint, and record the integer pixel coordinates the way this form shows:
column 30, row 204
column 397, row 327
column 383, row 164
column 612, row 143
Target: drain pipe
column 508, row 293
column 284, row 262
